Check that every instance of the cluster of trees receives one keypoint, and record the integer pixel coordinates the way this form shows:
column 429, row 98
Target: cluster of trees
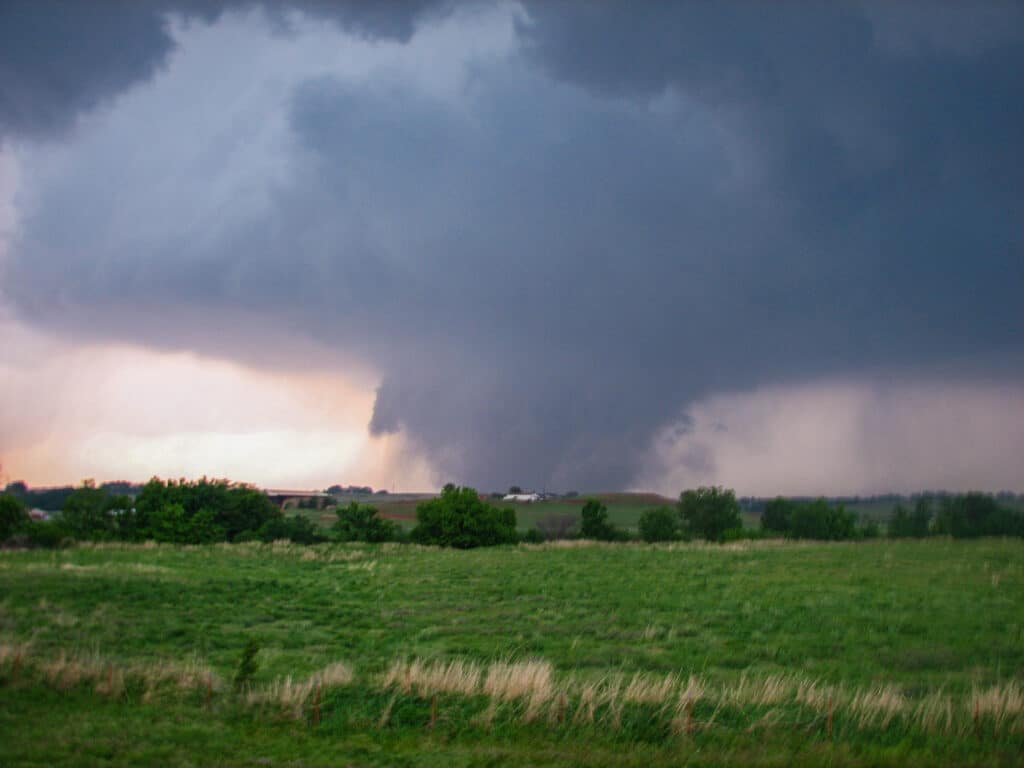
column 208, row 511
column 710, row 513
column 963, row 516
column 53, row 499
column 814, row 520
column 460, row 518
column 181, row 512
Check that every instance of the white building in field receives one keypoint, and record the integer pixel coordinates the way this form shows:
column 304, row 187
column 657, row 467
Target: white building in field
column 522, row 497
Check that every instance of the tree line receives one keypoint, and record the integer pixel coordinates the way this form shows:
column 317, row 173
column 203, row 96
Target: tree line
column 209, row 511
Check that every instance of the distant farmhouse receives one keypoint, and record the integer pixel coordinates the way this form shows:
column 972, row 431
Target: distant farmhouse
column 523, row 497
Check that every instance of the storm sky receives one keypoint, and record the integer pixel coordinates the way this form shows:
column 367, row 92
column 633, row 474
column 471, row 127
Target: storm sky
column 566, row 245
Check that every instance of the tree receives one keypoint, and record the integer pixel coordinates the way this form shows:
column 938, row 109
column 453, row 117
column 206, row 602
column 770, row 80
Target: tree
column 921, row 519
column 817, row 520
column 235, row 508
column 173, row 524
column 361, row 522
column 297, row 529
column 459, row 518
column 899, row 524
column 514, row 489
column 977, row 514
column 86, row 513
column 776, row 516
column 710, row 511
column 13, row 516
column 660, row 524
column 594, row 522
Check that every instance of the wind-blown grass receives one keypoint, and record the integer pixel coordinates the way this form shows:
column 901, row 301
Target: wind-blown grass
column 903, row 651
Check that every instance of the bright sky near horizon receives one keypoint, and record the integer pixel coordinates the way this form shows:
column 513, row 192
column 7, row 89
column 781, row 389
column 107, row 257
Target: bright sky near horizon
column 558, row 245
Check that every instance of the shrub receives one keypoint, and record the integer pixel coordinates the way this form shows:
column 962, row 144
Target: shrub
column 660, row 524
column 86, row 513
column 13, row 516
column 817, row 520
column 361, row 522
column 173, row 524
column 235, row 507
column 533, row 536
column 869, row 530
column 594, row 523
column 459, row 518
column 247, row 666
column 46, row 534
column 744, row 534
column 977, row 514
column 777, row 514
column 296, row 528
column 709, row 512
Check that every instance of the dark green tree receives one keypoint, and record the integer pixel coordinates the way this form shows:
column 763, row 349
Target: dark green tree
column 13, row 516
column 460, row 518
column 361, row 522
column 87, row 513
column 295, row 528
column 173, row 524
column 594, row 522
column 817, row 520
column 776, row 515
column 709, row 512
column 660, row 524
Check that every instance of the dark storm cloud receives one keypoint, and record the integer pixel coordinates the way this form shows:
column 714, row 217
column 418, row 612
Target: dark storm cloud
column 644, row 207
column 62, row 58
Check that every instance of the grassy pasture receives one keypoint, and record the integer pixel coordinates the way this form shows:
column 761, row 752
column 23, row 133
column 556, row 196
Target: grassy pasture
column 624, row 509
column 554, row 655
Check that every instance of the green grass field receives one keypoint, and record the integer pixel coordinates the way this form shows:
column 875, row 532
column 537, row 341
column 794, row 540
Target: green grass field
column 549, row 655
column 624, row 509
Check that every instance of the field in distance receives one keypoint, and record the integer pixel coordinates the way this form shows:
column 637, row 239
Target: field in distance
column 882, row 653
column 624, row 509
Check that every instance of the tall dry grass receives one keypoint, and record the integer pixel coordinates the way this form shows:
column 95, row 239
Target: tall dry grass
column 532, row 690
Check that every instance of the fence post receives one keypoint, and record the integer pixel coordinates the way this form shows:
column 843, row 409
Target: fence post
column 830, row 718
column 316, row 707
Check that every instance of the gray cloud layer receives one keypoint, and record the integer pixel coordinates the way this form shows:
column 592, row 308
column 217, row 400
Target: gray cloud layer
column 630, row 210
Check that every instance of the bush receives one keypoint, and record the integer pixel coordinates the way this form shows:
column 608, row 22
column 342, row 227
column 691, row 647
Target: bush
column 744, row 534
column 173, row 524
column 87, row 513
column 533, row 536
column 817, row 520
column 459, row 518
column 361, row 522
column 247, row 666
column 13, row 516
column 709, row 512
column 661, row 524
column 46, row 535
column 977, row 514
column 235, row 507
column 777, row 514
column 594, row 523
column 297, row 529
column 869, row 530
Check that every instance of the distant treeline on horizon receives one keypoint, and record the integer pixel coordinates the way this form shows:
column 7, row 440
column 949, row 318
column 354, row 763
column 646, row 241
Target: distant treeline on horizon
column 52, row 498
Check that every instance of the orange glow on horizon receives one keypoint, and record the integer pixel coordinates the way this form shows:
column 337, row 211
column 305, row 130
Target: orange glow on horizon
column 113, row 412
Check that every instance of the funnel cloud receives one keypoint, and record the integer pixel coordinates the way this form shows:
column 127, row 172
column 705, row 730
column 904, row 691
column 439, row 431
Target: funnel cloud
column 549, row 229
